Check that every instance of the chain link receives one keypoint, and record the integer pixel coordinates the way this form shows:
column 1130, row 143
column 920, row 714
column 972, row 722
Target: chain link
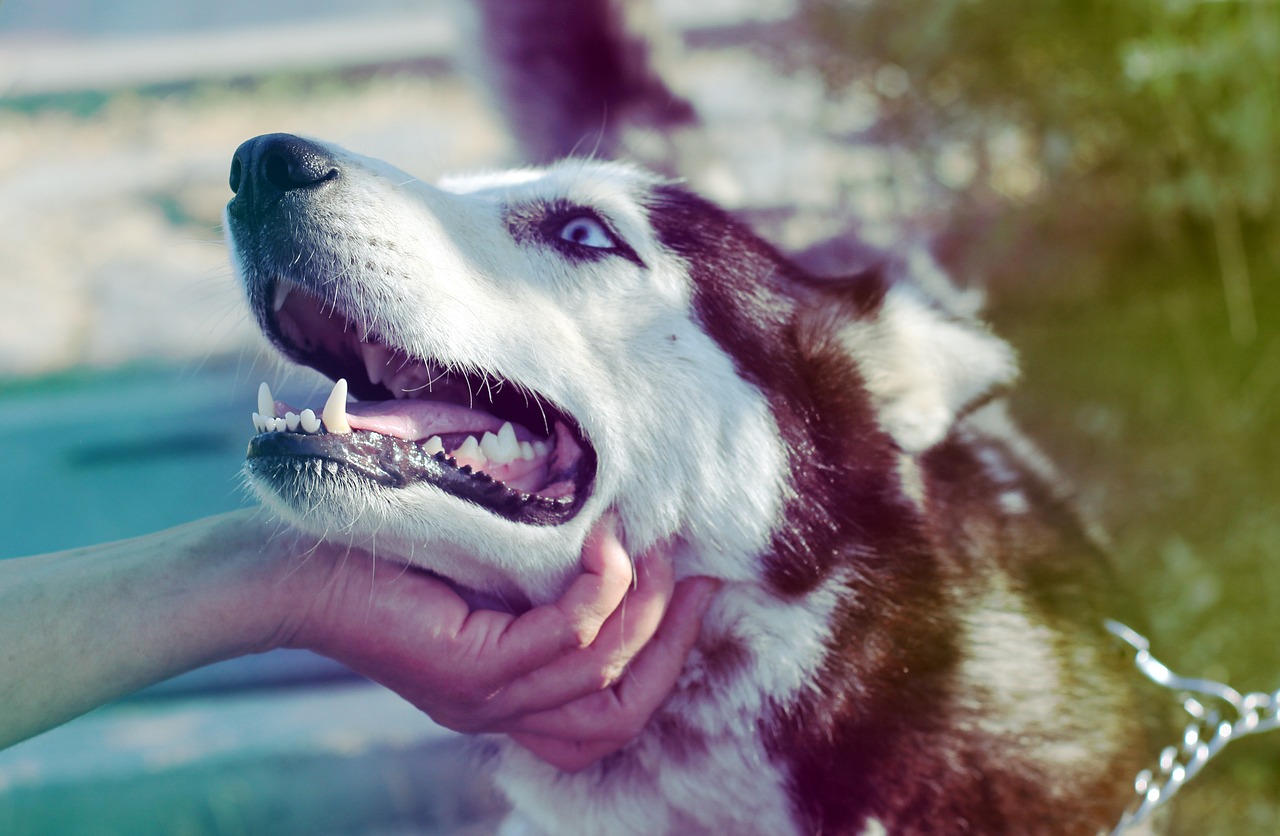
column 1219, row 714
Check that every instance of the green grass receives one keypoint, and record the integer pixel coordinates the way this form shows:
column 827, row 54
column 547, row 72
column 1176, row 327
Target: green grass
column 1170, row 431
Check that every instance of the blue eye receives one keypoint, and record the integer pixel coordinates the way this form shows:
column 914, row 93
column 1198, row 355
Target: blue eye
column 587, row 232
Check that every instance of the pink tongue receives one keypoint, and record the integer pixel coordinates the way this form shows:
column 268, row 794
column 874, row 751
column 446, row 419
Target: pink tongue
column 414, row 420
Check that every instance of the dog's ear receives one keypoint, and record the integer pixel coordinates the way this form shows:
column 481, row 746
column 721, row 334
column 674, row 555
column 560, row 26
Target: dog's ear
column 923, row 365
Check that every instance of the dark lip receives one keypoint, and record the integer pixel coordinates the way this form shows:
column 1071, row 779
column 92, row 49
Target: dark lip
column 395, row 463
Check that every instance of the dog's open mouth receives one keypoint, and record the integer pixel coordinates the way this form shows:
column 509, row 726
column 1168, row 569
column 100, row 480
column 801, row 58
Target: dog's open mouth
column 473, row 435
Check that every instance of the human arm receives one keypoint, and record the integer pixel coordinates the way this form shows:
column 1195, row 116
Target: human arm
column 82, row 627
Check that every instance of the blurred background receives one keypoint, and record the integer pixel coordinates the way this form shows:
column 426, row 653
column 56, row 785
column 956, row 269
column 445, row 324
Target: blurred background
column 1106, row 173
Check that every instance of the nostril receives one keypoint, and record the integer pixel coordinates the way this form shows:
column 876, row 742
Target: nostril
column 237, row 172
column 276, row 169
column 268, row 167
column 295, row 165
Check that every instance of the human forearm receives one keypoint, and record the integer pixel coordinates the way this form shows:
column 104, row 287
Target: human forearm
column 81, row 627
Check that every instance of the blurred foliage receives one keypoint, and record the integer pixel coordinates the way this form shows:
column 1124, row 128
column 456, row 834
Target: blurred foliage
column 1112, row 171
column 1132, row 123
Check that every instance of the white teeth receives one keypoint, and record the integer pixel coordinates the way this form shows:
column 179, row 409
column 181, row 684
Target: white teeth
column 308, row 421
column 335, row 409
column 282, row 293
column 470, row 449
column 526, row 451
column 503, row 447
column 265, row 419
column 375, row 361
column 540, row 448
column 434, row 445
column 491, row 448
column 266, row 404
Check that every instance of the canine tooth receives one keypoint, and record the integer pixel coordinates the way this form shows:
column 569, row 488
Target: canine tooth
column 434, row 445
column 281, row 294
column 266, row 404
column 334, row 415
column 375, row 361
column 308, row 421
column 291, row 421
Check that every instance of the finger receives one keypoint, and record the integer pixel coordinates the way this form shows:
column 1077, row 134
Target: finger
column 565, row 755
column 513, row 647
column 595, row 668
column 619, row 713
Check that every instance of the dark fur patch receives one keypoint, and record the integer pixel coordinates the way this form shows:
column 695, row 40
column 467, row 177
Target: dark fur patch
column 845, row 512
column 680, row 742
column 753, row 302
column 723, row 661
column 882, row 733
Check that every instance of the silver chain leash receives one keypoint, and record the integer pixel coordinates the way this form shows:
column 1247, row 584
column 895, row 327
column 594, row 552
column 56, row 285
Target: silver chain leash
column 1219, row 714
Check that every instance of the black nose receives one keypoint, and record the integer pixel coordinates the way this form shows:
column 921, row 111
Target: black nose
column 266, row 167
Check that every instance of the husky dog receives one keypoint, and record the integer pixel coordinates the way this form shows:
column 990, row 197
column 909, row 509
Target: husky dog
column 909, row 635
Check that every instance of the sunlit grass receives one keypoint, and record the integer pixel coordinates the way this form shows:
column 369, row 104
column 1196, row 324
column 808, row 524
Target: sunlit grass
column 1170, row 430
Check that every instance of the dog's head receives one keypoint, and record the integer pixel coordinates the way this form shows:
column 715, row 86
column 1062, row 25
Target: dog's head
column 532, row 348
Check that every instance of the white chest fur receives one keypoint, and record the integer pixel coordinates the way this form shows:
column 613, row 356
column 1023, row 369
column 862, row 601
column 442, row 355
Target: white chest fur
column 701, row 765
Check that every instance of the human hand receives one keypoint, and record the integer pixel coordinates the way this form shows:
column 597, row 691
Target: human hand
column 552, row 677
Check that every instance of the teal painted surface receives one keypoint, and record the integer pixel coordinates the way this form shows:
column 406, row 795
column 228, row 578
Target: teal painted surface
column 282, row 743
column 98, row 457
column 353, row 759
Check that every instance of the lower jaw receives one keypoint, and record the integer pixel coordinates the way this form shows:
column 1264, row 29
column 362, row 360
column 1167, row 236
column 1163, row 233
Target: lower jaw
column 394, row 463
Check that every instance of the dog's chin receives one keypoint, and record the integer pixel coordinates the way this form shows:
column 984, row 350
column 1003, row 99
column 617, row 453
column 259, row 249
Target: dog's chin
column 491, row 560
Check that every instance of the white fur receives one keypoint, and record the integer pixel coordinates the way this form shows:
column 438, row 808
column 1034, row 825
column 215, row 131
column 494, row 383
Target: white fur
column 733, row 788
column 436, row 272
column 610, row 343
column 923, row 367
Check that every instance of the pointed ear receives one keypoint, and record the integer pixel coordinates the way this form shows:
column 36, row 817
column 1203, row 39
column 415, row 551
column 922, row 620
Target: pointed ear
column 925, row 367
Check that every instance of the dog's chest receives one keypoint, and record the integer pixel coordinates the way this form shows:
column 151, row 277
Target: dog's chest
column 701, row 765
column 673, row 779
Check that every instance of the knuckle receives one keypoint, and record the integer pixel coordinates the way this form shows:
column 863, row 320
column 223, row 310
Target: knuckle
column 581, row 636
column 609, row 674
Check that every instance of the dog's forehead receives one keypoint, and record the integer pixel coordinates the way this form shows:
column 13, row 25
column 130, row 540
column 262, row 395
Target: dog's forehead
column 605, row 186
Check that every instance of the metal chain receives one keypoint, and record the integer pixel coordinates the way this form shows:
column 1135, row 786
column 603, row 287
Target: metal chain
column 1219, row 714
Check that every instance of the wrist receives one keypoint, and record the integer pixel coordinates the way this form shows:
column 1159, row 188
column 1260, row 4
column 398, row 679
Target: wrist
column 272, row 579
